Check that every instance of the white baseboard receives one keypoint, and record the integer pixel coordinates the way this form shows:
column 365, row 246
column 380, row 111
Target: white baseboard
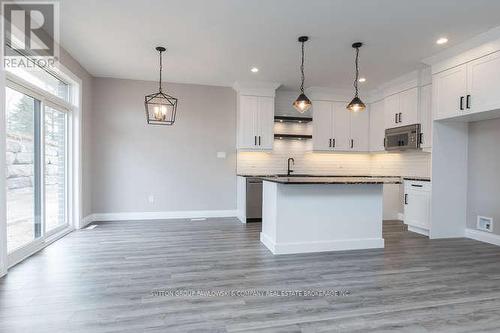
column 418, row 230
column 188, row 214
column 324, row 246
column 483, row 236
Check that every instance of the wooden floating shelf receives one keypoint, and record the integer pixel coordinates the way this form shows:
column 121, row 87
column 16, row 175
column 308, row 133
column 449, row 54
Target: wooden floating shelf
column 289, row 119
column 292, row 136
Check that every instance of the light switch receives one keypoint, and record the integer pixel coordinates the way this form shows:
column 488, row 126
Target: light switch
column 221, row 154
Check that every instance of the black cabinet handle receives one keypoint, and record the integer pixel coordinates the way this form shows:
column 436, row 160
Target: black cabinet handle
column 384, row 142
column 333, row 143
column 330, row 143
column 396, row 118
column 421, row 138
column 467, row 102
column 259, row 140
column 416, row 185
column 406, row 199
column 255, row 140
column 400, row 117
column 352, row 143
column 461, row 102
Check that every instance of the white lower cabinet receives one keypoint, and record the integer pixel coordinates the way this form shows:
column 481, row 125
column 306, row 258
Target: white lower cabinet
column 417, row 206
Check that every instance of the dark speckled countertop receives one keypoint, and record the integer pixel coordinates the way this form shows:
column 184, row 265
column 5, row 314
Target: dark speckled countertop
column 333, row 180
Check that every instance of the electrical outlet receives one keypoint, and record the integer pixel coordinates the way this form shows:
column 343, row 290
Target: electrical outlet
column 151, row 199
column 221, row 154
column 485, row 223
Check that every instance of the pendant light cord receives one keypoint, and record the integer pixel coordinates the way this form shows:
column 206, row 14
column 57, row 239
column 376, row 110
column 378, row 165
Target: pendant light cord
column 302, row 70
column 357, row 72
column 161, row 67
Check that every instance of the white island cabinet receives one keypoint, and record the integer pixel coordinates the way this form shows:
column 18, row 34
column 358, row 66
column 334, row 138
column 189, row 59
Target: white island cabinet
column 316, row 214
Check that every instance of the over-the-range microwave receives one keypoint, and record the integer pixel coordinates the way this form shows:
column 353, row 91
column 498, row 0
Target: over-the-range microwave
column 403, row 138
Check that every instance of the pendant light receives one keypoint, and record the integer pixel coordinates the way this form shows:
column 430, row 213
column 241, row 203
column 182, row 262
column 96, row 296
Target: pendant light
column 302, row 103
column 160, row 107
column 356, row 104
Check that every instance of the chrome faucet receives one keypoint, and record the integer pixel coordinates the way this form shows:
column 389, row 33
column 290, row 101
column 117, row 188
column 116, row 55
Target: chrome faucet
column 290, row 162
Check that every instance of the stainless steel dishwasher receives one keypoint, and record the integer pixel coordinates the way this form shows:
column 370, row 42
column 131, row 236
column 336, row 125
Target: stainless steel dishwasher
column 254, row 200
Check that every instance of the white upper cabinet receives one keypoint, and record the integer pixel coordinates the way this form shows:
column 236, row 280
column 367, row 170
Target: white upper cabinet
column 426, row 116
column 265, row 123
column 360, row 130
column 469, row 88
column 483, row 84
column 408, row 107
column 341, row 127
column 391, row 109
column 448, row 92
column 377, row 126
column 322, row 125
column 401, row 109
column 337, row 129
column 255, row 122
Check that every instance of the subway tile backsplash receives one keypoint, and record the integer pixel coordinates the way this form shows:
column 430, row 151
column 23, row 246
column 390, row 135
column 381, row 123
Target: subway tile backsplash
column 413, row 163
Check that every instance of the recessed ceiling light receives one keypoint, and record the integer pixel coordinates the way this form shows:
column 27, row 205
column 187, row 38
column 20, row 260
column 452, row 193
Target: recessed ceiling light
column 254, row 70
column 442, row 40
column 362, row 79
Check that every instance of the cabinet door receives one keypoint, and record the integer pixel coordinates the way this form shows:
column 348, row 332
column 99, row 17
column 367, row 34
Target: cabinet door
column 448, row 87
column 265, row 127
column 247, row 122
column 341, row 127
column 408, row 107
column 391, row 110
column 426, row 115
column 417, row 208
column 377, row 126
column 322, row 125
column 360, row 133
column 483, row 83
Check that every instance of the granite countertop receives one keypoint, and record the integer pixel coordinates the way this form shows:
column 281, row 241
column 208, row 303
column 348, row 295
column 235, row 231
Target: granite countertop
column 421, row 179
column 333, row 180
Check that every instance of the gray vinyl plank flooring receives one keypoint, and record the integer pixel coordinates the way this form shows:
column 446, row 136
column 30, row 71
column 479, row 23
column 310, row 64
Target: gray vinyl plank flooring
column 102, row 280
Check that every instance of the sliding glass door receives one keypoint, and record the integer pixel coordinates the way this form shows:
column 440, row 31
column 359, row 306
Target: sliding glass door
column 36, row 169
column 55, row 168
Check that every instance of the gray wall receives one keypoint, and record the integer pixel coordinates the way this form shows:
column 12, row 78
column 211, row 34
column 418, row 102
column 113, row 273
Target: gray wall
column 484, row 173
column 176, row 164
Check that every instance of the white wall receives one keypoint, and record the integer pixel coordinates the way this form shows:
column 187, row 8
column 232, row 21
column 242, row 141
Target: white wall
column 176, row 164
column 483, row 190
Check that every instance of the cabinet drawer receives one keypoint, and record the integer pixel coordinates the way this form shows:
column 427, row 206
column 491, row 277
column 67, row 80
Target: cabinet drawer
column 416, row 185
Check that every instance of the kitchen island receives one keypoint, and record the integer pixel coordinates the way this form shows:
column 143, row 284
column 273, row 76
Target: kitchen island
column 316, row 214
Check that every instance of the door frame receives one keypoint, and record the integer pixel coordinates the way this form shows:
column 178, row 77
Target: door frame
column 73, row 159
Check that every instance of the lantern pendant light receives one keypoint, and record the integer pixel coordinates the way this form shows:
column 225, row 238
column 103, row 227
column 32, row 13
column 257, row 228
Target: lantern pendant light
column 160, row 107
column 356, row 104
column 302, row 103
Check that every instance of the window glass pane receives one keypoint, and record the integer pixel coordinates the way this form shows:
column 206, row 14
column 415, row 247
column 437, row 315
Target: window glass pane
column 44, row 80
column 55, row 168
column 22, row 113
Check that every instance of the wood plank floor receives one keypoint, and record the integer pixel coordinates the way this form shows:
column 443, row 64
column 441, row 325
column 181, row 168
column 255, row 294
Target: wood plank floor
column 102, row 280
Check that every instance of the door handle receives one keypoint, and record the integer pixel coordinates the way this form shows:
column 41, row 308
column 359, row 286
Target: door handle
column 406, row 199
column 467, row 102
column 461, row 102
column 259, row 140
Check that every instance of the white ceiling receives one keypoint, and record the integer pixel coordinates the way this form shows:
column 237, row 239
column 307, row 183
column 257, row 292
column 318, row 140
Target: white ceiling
column 216, row 42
